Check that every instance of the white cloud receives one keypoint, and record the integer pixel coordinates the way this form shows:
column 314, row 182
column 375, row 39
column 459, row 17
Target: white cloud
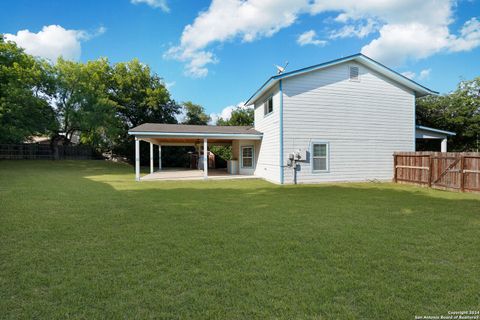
column 351, row 30
column 393, row 11
column 226, row 20
column 409, row 74
column 407, row 29
column 400, row 42
column 53, row 41
column 411, row 39
column 424, row 74
column 161, row 4
column 469, row 37
column 308, row 37
column 169, row 85
column 195, row 60
column 226, row 112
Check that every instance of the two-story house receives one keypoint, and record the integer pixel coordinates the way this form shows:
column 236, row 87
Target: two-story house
column 337, row 121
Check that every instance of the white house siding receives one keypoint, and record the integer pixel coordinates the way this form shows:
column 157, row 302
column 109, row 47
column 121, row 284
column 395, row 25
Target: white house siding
column 268, row 163
column 364, row 122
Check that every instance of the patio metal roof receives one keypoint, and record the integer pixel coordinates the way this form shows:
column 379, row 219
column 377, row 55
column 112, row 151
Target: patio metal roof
column 444, row 132
column 195, row 131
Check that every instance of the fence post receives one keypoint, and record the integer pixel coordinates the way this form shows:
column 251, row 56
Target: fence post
column 395, row 168
column 462, row 173
column 430, row 170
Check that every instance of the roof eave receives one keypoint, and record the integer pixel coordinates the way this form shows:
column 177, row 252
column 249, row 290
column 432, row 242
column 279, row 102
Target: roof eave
column 254, row 97
column 435, row 130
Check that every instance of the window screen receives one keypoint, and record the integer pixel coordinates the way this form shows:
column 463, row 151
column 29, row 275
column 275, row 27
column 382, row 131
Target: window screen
column 320, row 157
column 247, row 157
column 268, row 105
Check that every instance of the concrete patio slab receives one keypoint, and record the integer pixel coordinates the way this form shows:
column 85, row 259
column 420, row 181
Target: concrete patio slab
column 192, row 174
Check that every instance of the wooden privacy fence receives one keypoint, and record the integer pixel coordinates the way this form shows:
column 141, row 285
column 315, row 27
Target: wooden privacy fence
column 443, row 170
column 31, row 151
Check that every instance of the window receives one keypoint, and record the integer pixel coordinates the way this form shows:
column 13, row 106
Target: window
column 268, row 105
column 247, row 157
column 320, row 155
column 354, row 74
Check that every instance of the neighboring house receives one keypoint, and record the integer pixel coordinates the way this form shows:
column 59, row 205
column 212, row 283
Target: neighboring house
column 339, row 121
column 74, row 139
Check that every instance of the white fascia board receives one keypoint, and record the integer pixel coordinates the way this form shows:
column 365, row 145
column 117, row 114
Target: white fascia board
column 231, row 136
column 434, row 131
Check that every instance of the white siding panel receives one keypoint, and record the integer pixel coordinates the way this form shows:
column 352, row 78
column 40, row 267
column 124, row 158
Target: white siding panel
column 364, row 122
column 268, row 166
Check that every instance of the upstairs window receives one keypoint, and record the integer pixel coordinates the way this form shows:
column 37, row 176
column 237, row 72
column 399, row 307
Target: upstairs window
column 354, row 74
column 320, row 155
column 268, row 106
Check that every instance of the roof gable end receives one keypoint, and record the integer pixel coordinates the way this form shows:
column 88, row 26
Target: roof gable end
column 360, row 58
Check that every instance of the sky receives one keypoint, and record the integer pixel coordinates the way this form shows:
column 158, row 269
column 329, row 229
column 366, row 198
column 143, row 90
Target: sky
column 217, row 53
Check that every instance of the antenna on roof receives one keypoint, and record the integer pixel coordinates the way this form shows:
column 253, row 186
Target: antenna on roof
column 280, row 70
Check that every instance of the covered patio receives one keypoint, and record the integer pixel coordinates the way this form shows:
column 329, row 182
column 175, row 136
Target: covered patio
column 426, row 133
column 244, row 141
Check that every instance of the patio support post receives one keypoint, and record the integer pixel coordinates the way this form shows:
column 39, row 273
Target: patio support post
column 151, row 157
column 159, row 157
column 444, row 145
column 137, row 159
column 205, row 158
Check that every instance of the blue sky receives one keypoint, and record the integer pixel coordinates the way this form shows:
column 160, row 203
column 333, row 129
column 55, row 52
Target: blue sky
column 218, row 53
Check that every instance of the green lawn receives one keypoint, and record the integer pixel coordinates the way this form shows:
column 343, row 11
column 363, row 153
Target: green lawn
column 81, row 239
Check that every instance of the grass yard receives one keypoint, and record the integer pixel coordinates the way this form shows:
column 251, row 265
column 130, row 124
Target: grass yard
column 83, row 240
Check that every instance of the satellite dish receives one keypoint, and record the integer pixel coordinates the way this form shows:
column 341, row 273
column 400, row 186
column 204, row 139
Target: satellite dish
column 280, row 70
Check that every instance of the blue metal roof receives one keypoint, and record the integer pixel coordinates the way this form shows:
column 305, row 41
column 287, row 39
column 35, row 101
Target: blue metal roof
column 359, row 56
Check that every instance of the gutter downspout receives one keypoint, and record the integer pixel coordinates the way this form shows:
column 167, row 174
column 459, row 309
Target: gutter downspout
column 281, row 132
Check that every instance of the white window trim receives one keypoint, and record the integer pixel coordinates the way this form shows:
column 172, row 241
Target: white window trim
column 253, row 156
column 354, row 66
column 327, row 143
column 264, row 106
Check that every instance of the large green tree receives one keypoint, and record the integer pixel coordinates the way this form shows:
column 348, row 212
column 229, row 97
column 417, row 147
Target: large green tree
column 240, row 117
column 458, row 111
column 140, row 96
column 26, row 84
column 83, row 104
column 195, row 114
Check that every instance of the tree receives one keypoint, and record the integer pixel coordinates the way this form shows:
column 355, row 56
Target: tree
column 25, row 86
column 83, row 103
column 95, row 99
column 195, row 114
column 240, row 117
column 140, row 96
column 458, row 111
